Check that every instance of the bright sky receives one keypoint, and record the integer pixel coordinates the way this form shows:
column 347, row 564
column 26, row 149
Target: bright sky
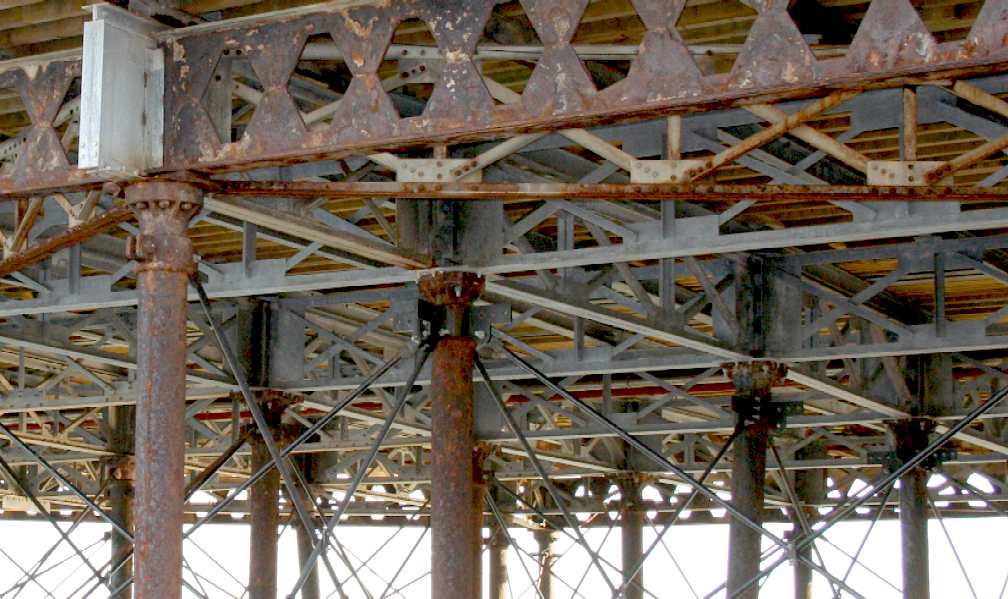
column 700, row 552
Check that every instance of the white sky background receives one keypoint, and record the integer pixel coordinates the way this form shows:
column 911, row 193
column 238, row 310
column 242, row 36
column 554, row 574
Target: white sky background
column 701, row 551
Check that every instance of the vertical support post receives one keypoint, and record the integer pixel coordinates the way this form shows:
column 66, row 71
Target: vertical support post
column 306, row 540
column 810, row 488
column 456, row 464
column 253, row 336
column 120, row 494
column 264, row 520
column 264, row 517
column 498, row 563
column 753, row 383
column 163, row 254
column 544, row 538
column 632, row 536
column 911, row 435
column 913, row 533
column 748, row 476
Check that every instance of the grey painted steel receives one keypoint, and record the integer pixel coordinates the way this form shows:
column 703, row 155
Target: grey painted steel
column 747, row 484
column 913, row 504
column 545, row 538
column 120, row 493
column 810, row 489
column 632, row 519
column 498, row 550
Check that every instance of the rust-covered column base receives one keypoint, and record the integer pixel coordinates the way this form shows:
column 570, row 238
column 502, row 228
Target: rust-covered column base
column 163, row 254
column 456, row 462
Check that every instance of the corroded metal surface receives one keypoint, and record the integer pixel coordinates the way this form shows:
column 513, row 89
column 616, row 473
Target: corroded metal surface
column 748, row 478
column 694, row 192
column 264, row 521
column 776, row 62
column 454, row 537
column 73, row 236
column 164, row 261
column 892, row 47
column 42, row 162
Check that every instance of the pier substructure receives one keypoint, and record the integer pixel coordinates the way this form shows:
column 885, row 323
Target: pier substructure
column 163, row 255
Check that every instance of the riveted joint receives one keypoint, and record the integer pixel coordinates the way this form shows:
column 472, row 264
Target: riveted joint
column 754, row 382
column 163, row 210
column 120, row 467
column 451, row 293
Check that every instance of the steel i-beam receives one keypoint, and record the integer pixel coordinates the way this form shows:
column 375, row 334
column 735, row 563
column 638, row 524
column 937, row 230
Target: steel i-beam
column 456, row 499
column 753, row 382
column 911, row 436
column 632, row 539
column 163, row 255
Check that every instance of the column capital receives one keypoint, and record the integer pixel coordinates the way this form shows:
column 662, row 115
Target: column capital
column 756, row 377
column 909, row 436
column 451, row 288
column 163, row 209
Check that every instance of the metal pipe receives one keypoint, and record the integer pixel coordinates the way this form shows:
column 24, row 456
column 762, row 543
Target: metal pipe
column 810, row 490
column 747, row 479
column 913, row 533
column 455, row 567
column 498, row 549
column 120, row 494
column 264, row 519
column 632, row 541
column 544, row 538
column 163, row 254
column 305, row 544
column 305, row 537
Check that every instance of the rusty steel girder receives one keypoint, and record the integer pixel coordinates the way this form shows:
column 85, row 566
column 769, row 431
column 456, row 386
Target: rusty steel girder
column 163, row 253
column 891, row 47
column 42, row 162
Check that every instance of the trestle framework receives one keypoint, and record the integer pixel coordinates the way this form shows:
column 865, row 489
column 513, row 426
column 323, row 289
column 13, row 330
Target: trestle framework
column 504, row 275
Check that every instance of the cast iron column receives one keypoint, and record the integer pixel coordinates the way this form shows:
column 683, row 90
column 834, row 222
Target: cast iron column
column 264, row 511
column 910, row 437
column 455, row 468
column 498, row 547
column 753, row 382
column 632, row 534
column 810, row 487
column 544, row 538
column 305, row 538
column 120, row 494
column 163, row 254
